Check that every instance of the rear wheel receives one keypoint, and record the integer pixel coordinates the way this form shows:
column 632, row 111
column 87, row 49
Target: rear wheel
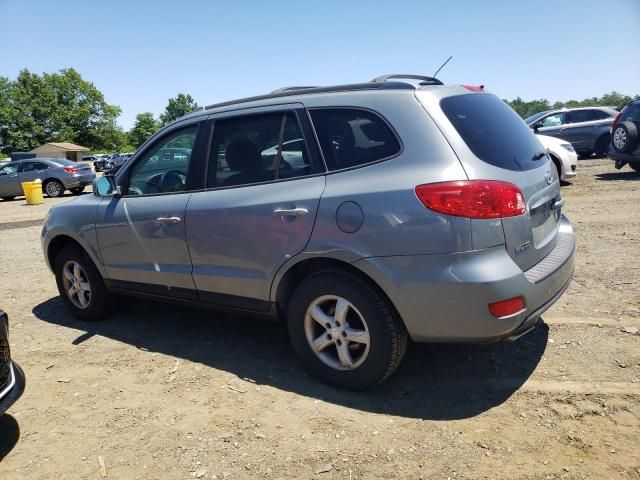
column 343, row 329
column 77, row 190
column 625, row 137
column 602, row 146
column 80, row 284
column 53, row 188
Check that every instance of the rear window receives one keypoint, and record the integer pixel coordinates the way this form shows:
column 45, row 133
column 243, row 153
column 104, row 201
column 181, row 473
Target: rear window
column 63, row 161
column 631, row 113
column 493, row 131
column 351, row 137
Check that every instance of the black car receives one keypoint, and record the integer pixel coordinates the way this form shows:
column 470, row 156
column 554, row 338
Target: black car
column 586, row 128
column 12, row 379
column 625, row 140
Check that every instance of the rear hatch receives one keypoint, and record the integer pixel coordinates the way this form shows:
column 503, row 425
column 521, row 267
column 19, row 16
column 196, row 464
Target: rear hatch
column 493, row 143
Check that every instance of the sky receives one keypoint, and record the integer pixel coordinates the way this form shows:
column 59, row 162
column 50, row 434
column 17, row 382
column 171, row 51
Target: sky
column 140, row 53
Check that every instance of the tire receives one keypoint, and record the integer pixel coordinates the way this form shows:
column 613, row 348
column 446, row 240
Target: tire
column 97, row 301
column 9, row 198
column 635, row 166
column 369, row 314
column 624, row 137
column 602, row 146
column 53, row 188
column 77, row 190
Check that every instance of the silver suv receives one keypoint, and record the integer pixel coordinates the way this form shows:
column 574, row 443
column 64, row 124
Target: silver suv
column 361, row 215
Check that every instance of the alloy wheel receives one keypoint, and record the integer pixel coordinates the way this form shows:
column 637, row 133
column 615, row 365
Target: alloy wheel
column 619, row 138
column 76, row 284
column 337, row 332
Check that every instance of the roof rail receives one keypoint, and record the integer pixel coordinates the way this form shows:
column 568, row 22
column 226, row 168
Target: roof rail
column 376, row 83
column 423, row 80
column 291, row 89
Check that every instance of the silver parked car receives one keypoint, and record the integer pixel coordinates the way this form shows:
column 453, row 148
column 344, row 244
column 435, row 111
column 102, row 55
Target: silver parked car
column 56, row 174
column 409, row 209
column 586, row 128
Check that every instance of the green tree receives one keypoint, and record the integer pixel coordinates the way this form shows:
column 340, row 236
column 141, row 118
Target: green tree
column 178, row 107
column 56, row 107
column 143, row 128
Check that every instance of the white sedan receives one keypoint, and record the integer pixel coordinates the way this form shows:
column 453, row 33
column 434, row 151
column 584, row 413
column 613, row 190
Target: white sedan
column 563, row 155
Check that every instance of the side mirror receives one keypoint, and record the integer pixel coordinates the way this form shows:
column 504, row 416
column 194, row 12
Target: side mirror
column 537, row 125
column 105, row 186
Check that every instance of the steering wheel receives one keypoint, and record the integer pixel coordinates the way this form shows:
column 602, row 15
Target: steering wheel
column 171, row 178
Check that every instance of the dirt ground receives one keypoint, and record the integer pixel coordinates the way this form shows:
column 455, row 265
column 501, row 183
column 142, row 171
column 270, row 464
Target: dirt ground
column 159, row 392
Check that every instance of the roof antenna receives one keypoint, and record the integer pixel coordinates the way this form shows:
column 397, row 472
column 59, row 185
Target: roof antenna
column 442, row 66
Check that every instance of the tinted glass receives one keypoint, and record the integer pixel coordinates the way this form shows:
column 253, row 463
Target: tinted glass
column 245, row 150
column 350, row 137
column 34, row 166
column 534, row 117
column 493, row 131
column 631, row 113
column 64, row 162
column 579, row 116
column 553, row 120
column 164, row 168
column 9, row 169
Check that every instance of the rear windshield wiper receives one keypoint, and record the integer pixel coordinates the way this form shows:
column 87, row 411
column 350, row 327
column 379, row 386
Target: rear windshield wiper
column 538, row 156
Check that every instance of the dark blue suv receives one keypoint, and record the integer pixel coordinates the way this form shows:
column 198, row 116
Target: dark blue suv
column 625, row 144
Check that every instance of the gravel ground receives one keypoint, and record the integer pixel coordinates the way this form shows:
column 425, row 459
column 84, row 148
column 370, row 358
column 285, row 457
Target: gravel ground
column 159, row 392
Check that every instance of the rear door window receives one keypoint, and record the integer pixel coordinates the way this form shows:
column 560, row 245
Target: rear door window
column 493, row 131
column 579, row 116
column 352, row 137
column 258, row 148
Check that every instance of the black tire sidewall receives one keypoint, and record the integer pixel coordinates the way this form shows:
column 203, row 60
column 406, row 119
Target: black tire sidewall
column 373, row 307
column 601, row 147
column 99, row 295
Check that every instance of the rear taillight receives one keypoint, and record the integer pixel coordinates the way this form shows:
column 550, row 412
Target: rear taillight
column 473, row 198
column 474, row 88
column 508, row 307
column 615, row 120
column 70, row 169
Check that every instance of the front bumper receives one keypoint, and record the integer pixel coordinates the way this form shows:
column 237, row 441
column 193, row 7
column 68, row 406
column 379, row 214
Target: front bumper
column 445, row 298
column 14, row 390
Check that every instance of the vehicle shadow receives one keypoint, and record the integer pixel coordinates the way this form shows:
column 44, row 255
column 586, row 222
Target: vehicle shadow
column 9, row 434
column 438, row 382
column 618, row 175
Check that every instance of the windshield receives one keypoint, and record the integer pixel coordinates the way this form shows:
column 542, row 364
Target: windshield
column 534, row 117
column 493, row 131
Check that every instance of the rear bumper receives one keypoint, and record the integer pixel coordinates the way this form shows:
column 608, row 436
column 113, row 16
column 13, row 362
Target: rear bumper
column 15, row 390
column 445, row 298
column 80, row 181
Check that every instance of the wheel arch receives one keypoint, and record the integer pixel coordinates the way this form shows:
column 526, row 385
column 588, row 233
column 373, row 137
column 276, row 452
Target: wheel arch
column 297, row 272
column 57, row 243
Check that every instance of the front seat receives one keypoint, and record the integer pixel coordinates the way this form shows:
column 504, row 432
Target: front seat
column 243, row 157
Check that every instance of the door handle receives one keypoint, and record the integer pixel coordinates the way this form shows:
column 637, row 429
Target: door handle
column 290, row 212
column 169, row 220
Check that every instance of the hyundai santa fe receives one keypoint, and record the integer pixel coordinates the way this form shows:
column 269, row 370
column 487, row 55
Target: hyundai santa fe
column 361, row 215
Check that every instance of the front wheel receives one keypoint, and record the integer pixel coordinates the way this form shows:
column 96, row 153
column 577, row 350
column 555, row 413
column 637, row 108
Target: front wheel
column 77, row 190
column 80, row 284
column 344, row 330
column 53, row 188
